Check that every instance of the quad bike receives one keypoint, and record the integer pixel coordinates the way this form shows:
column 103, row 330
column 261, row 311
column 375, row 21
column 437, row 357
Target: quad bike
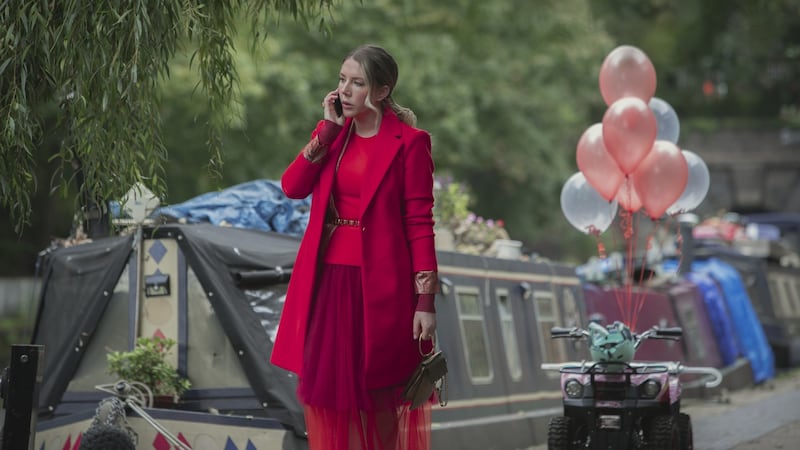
column 616, row 403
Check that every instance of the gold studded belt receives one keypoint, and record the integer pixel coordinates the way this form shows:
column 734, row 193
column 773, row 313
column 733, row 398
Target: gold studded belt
column 345, row 222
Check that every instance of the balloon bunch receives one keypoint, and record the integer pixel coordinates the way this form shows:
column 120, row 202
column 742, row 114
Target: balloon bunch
column 630, row 161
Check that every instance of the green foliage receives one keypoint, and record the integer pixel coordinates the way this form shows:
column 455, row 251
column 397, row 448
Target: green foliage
column 101, row 63
column 452, row 202
column 471, row 233
column 747, row 50
column 163, row 92
column 505, row 88
column 147, row 364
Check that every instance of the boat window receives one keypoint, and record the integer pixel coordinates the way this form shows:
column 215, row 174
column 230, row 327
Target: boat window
column 774, row 295
column 781, row 302
column 553, row 350
column 572, row 316
column 509, row 334
column 473, row 333
column 789, row 299
column 794, row 294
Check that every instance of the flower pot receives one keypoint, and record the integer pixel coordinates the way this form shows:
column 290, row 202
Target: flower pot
column 507, row 248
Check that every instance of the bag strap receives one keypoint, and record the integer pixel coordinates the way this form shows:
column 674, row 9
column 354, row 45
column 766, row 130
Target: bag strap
column 433, row 346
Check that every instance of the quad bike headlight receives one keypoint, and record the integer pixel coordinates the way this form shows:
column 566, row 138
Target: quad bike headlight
column 649, row 389
column 573, row 388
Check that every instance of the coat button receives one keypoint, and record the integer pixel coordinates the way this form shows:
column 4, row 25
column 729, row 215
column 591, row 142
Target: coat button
column 363, row 229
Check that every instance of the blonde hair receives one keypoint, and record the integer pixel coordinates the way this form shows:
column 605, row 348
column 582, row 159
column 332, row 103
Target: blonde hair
column 380, row 69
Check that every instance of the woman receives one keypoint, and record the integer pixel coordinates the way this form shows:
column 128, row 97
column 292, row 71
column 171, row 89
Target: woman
column 362, row 288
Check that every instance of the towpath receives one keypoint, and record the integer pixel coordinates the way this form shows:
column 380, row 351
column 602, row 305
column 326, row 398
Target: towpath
column 756, row 418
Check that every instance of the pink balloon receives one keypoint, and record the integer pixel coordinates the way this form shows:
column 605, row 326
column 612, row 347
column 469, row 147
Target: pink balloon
column 661, row 178
column 627, row 197
column 596, row 164
column 629, row 130
column 627, row 72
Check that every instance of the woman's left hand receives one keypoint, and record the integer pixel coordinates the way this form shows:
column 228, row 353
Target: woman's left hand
column 424, row 325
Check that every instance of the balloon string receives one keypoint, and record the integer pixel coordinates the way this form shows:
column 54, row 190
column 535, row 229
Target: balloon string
column 629, row 235
column 645, row 279
column 632, row 270
column 618, row 295
column 601, row 249
column 637, row 297
column 618, row 292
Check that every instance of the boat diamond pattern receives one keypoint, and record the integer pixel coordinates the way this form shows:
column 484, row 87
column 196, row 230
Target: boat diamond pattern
column 157, row 251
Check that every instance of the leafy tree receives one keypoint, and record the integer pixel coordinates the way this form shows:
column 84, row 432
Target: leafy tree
column 100, row 64
column 745, row 53
column 505, row 88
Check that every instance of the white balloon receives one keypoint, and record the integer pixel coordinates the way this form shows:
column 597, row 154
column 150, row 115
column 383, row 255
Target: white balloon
column 584, row 207
column 696, row 185
column 669, row 127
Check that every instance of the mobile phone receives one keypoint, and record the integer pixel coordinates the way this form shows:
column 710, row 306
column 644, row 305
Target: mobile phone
column 337, row 105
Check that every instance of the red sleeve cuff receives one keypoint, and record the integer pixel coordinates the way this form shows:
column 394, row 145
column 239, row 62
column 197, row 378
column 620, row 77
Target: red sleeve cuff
column 330, row 130
column 425, row 303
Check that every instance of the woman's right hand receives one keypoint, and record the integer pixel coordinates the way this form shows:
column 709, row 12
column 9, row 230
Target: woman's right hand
column 329, row 111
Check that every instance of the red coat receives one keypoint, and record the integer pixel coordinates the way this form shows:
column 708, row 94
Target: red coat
column 397, row 236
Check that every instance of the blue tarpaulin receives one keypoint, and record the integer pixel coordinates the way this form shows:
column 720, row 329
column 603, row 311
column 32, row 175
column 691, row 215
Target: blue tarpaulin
column 259, row 204
column 721, row 324
column 751, row 340
column 751, row 334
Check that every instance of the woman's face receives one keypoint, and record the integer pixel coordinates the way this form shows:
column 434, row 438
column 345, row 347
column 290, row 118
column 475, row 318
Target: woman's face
column 353, row 88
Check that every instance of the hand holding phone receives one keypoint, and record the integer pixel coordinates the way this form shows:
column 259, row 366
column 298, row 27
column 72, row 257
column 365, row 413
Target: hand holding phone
column 337, row 106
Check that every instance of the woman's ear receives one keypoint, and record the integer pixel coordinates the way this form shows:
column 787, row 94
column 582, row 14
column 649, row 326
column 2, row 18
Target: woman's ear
column 382, row 93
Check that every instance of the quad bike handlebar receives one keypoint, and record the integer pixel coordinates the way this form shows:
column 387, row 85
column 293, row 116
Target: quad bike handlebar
column 574, row 332
column 655, row 332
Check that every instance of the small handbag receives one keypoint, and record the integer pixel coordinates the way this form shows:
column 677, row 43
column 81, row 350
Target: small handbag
column 429, row 376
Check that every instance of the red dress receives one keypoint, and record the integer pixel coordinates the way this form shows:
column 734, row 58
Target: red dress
column 342, row 411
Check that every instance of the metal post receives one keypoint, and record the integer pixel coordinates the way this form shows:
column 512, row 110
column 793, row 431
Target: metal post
column 20, row 390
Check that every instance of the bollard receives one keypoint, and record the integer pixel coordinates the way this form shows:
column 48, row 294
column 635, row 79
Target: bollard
column 20, row 390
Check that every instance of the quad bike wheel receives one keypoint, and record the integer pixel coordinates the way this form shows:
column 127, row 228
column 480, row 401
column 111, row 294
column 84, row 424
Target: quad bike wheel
column 559, row 433
column 663, row 434
column 685, row 430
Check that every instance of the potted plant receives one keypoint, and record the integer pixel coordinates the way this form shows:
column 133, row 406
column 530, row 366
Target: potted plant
column 147, row 364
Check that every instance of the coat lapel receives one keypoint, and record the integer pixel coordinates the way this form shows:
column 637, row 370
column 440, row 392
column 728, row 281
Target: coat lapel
column 388, row 143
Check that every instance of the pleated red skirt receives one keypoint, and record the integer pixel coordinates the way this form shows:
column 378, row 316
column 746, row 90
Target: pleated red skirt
column 340, row 413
